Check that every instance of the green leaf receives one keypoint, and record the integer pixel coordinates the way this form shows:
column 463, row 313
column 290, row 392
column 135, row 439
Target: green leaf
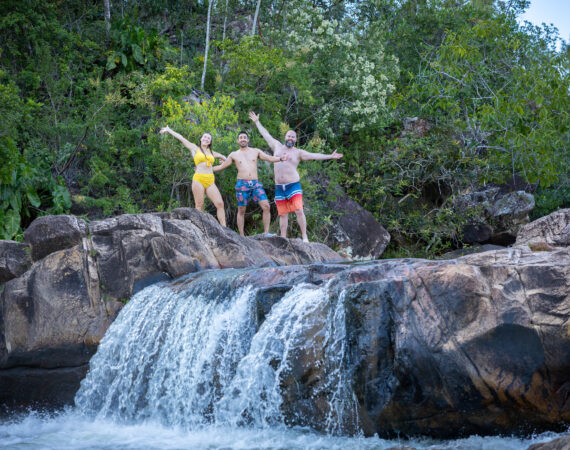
column 11, row 224
column 33, row 198
column 111, row 62
column 61, row 199
column 137, row 54
column 15, row 201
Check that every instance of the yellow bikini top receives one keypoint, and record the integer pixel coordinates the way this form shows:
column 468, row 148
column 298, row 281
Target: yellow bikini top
column 201, row 157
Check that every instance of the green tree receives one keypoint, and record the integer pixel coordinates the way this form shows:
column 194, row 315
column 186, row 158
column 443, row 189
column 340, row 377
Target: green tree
column 23, row 187
column 503, row 93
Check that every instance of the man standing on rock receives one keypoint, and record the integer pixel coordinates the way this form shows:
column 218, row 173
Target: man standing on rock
column 247, row 185
column 288, row 192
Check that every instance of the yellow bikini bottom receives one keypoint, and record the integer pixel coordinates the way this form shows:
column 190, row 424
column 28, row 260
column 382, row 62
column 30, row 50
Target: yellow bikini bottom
column 205, row 179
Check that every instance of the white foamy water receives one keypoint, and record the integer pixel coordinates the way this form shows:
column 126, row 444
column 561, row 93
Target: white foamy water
column 71, row 430
column 193, row 369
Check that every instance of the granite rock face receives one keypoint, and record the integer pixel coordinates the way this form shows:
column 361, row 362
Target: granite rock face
column 475, row 345
column 553, row 229
column 501, row 214
column 48, row 234
column 352, row 229
column 15, row 259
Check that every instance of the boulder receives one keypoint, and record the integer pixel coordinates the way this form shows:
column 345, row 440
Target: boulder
column 354, row 231
column 511, row 210
column 14, row 259
column 51, row 320
column 54, row 307
column 552, row 230
column 228, row 248
column 48, row 234
column 499, row 214
column 477, row 345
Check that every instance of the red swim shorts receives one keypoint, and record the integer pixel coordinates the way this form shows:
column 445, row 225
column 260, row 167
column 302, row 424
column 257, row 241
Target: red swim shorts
column 288, row 197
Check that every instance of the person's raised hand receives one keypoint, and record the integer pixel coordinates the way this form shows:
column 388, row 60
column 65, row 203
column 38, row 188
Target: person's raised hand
column 335, row 155
column 164, row 130
column 253, row 116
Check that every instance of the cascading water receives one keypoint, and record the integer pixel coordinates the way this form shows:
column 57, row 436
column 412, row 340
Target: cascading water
column 198, row 356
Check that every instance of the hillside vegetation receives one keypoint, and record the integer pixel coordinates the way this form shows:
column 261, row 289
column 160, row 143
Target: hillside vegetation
column 85, row 86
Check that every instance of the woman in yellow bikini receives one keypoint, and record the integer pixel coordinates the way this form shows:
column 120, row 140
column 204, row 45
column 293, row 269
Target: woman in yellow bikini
column 203, row 179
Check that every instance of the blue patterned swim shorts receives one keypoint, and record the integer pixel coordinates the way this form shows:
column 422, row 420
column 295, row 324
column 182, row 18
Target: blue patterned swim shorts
column 246, row 189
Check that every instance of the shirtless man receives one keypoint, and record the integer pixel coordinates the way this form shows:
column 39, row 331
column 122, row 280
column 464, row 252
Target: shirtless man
column 247, row 185
column 288, row 192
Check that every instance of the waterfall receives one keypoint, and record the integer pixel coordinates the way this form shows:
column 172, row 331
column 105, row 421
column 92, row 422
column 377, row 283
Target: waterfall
column 193, row 354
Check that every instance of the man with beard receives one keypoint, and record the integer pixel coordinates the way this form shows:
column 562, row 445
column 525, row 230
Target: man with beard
column 288, row 192
column 247, row 185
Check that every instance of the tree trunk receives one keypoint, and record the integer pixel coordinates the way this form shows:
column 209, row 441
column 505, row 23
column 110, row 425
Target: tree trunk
column 255, row 17
column 107, row 16
column 210, row 6
column 225, row 21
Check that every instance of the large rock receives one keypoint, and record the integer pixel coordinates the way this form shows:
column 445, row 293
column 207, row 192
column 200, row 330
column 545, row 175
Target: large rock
column 51, row 320
column 48, row 234
column 14, row 259
column 478, row 345
column 499, row 214
column 354, row 231
column 553, row 229
column 475, row 345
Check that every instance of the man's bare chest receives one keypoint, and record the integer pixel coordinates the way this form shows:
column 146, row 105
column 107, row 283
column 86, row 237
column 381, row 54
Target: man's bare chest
column 293, row 156
column 245, row 159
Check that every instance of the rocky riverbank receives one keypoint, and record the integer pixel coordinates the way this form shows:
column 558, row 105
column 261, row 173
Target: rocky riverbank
column 476, row 344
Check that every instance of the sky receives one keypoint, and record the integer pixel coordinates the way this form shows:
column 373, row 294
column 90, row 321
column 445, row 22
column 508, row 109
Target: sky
column 556, row 12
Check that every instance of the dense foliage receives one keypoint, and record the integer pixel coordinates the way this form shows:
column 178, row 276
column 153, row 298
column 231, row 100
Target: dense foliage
column 82, row 100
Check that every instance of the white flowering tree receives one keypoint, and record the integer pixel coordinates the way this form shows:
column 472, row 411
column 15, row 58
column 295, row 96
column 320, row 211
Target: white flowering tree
column 338, row 75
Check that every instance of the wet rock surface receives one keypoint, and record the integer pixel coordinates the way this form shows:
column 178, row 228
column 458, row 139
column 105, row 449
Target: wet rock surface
column 475, row 345
column 562, row 443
